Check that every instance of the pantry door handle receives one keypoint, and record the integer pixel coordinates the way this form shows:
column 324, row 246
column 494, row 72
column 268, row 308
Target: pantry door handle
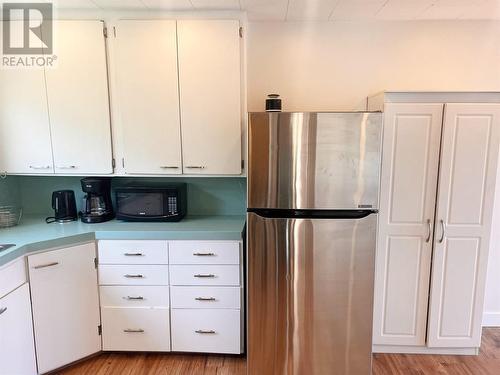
column 133, row 276
column 205, row 299
column 201, row 331
column 204, row 254
column 46, row 265
column 138, row 298
column 205, row 275
column 133, row 254
column 2, row 310
column 443, row 230
column 429, row 228
column 129, row 330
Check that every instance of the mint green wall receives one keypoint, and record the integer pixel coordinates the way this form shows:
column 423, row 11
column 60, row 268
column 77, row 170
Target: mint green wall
column 9, row 191
column 206, row 196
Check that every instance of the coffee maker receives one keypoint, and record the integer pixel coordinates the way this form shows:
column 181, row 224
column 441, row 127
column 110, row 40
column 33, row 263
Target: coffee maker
column 97, row 206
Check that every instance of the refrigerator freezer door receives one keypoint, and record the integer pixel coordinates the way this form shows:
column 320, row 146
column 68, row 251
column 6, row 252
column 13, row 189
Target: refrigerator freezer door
column 310, row 295
column 314, row 160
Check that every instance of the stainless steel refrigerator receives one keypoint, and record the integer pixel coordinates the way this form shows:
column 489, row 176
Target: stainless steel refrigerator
column 313, row 182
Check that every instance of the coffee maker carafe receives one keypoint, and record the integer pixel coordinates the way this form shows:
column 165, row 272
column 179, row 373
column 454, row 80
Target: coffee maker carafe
column 97, row 206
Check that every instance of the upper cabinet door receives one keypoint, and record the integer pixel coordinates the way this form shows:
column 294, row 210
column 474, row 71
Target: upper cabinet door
column 77, row 91
column 210, row 91
column 25, row 145
column 463, row 222
column 410, row 160
column 148, row 87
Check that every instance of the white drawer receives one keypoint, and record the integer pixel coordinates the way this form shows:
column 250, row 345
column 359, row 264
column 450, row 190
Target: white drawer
column 205, row 297
column 205, row 275
column 133, row 252
column 204, row 252
column 208, row 331
column 139, row 329
column 134, row 296
column 133, row 275
column 12, row 276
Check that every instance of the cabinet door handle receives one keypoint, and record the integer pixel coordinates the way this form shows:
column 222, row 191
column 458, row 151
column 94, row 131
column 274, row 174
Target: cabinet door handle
column 443, row 230
column 133, row 254
column 2, row 310
column 196, row 167
column 204, row 275
column 39, row 166
column 67, row 167
column 46, row 265
column 130, row 330
column 138, row 298
column 128, row 276
column 205, row 299
column 429, row 230
column 203, row 332
column 204, row 254
column 168, row 167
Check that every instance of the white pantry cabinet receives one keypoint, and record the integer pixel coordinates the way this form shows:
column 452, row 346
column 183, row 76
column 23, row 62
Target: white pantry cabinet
column 439, row 169
column 17, row 349
column 25, row 144
column 65, row 305
column 210, row 96
column 77, row 90
column 148, row 90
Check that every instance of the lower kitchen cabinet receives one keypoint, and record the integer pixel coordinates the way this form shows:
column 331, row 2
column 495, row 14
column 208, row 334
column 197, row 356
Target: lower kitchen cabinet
column 65, row 305
column 17, row 349
column 206, row 330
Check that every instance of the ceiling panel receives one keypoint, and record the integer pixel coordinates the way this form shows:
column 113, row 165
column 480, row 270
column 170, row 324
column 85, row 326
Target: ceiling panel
column 120, row 4
column 357, row 9
column 403, row 9
column 310, row 10
column 74, row 4
column 168, row 4
column 216, row 4
column 261, row 10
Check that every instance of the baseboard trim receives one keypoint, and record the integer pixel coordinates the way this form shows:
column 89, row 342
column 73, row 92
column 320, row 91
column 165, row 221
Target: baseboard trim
column 423, row 350
column 491, row 319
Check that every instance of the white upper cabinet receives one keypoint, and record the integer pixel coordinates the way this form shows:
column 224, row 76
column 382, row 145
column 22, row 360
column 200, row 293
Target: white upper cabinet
column 148, row 96
column 467, row 178
column 210, row 96
column 411, row 144
column 77, row 90
column 25, row 145
column 65, row 305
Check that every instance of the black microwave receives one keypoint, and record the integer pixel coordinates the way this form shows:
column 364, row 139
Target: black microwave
column 166, row 203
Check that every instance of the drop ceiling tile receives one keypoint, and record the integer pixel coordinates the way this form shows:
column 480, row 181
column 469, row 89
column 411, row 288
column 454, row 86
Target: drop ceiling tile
column 216, row 4
column 119, row 4
column 489, row 10
column 168, row 4
column 356, row 10
column 310, row 10
column 445, row 12
column 73, row 4
column 403, row 9
column 265, row 10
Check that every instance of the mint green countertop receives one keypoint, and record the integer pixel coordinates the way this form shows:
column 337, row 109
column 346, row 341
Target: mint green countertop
column 33, row 234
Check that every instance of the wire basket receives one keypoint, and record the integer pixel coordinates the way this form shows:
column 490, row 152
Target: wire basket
column 10, row 216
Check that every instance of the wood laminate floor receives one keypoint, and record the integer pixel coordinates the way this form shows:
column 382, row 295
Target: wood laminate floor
column 487, row 363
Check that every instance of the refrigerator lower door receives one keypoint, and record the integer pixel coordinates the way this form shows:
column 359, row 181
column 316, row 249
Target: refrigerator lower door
column 310, row 295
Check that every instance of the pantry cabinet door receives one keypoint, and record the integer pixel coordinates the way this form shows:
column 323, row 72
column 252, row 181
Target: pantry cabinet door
column 77, row 89
column 17, row 346
column 148, row 93
column 410, row 162
column 209, row 78
column 25, row 145
column 65, row 305
column 467, row 179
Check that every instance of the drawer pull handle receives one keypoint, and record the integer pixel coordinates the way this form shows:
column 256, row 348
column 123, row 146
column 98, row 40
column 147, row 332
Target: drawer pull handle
column 2, row 310
column 138, row 298
column 133, row 254
column 205, row 299
column 133, row 276
column 129, row 330
column 46, row 265
column 204, row 254
column 203, row 332
column 211, row 275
